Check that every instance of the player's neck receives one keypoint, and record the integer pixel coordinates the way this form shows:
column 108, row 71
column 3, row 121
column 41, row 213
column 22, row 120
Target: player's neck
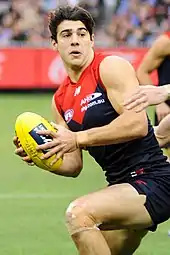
column 75, row 73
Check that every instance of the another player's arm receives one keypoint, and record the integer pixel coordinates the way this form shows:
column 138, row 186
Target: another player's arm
column 167, row 89
column 147, row 95
column 72, row 162
column 119, row 77
column 153, row 58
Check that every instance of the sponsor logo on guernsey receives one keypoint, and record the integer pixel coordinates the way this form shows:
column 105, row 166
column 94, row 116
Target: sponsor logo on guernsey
column 68, row 115
column 91, row 100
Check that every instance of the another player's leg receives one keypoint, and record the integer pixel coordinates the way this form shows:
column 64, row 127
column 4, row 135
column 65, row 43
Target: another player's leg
column 115, row 207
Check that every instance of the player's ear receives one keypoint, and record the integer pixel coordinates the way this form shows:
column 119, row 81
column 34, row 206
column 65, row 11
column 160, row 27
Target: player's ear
column 92, row 40
column 54, row 44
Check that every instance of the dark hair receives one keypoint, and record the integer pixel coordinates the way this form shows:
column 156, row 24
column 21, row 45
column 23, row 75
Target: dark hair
column 69, row 13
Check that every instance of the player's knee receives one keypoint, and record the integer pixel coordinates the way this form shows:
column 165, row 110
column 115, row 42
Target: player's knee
column 78, row 218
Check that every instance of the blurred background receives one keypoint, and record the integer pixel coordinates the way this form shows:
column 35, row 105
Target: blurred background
column 134, row 22
column 32, row 201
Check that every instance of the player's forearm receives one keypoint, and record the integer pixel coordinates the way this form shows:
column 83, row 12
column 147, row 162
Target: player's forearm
column 144, row 78
column 71, row 165
column 122, row 129
column 167, row 88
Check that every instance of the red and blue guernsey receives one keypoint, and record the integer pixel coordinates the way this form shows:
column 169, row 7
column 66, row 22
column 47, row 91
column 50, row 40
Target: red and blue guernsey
column 84, row 105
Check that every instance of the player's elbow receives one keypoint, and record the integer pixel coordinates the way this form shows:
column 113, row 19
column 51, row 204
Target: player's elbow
column 72, row 172
column 76, row 167
column 143, row 131
column 69, row 168
column 76, row 171
column 142, row 127
column 75, row 174
column 73, row 164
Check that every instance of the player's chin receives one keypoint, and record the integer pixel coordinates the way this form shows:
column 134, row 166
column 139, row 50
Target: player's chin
column 76, row 58
column 77, row 63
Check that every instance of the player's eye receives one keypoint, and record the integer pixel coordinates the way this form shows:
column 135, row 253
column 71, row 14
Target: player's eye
column 66, row 35
column 82, row 34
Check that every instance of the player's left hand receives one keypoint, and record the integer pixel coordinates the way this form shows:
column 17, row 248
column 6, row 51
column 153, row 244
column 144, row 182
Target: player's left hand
column 64, row 141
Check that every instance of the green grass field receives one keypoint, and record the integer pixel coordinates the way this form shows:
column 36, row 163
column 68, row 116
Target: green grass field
column 33, row 201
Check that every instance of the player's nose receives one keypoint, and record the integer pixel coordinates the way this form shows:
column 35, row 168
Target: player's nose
column 74, row 39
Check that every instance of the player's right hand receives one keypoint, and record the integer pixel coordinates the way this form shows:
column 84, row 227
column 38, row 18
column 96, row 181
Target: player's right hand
column 20, row 152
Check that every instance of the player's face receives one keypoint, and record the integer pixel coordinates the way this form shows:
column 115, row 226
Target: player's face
column 74, row 43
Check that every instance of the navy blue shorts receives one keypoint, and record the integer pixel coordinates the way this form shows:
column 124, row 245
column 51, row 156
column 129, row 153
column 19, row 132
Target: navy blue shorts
column 157, row 191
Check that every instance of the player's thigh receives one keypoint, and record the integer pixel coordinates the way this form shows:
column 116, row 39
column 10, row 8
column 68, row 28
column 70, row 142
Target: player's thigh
column 115, row 207
column 125, row 241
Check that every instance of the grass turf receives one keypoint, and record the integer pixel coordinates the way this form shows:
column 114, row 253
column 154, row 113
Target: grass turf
column 33, row 201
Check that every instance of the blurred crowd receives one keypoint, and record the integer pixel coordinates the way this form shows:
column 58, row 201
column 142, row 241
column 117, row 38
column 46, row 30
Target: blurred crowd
column 118, row 22
column 139, row 22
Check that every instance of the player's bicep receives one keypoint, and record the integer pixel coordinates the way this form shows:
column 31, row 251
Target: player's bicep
column 119, row 78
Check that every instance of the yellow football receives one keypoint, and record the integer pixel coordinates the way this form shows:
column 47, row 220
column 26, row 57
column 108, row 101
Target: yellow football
column 26, row 126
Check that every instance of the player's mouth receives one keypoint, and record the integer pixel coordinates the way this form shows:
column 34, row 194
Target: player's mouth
column 75, row 53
